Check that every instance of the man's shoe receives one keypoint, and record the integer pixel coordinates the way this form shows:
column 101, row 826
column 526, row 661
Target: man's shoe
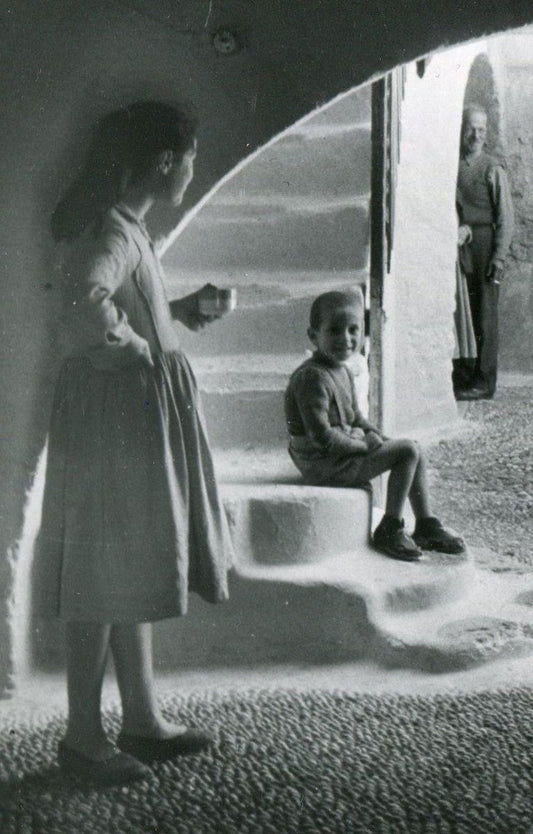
column 473, row 394
column 159, row 749
column 391, row 539
column 118, row 769
column 429, row 534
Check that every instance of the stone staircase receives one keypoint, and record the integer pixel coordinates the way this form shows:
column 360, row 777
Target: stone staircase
column 439, row 615
column 306, row 586
column 290, row 224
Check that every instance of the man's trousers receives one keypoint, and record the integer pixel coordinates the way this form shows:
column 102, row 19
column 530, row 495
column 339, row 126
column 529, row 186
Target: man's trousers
column 483, row 295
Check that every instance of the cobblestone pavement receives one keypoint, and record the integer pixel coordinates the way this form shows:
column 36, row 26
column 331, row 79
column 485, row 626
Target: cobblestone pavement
column 332, row 762
column 297, row 763
column 482, row 482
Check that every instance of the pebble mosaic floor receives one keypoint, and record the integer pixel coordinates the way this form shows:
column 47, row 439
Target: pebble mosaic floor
column 297, row 763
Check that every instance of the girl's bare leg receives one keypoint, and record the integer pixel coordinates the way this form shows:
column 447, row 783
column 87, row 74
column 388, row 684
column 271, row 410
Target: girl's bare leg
column 87, row 646
column 131, row 645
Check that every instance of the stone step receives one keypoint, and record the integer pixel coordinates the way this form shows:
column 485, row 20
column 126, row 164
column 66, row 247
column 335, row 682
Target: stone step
column 242, row 395
column 332, row 237
column 493, row 620
column 272, row 308
column 246, row 417
column 306, row 587
column 324, row 612
column 271, row 207
column 332, row 161
column 259, row 371
column 353, row 107
column 256, row 287
column 439, row 615
column 270, row 325
column 293, row 524
column 275, row 326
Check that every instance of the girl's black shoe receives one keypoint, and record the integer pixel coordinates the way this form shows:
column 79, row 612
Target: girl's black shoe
column 118, row 769
column 159, row 749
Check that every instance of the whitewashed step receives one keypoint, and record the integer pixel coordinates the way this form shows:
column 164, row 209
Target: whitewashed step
column 352, row 108
column 260, row 372
column 242, row 397
column 314, row 159
column 339, row 610
column 271, row 329
column 494, row 619
column 247, row 417
column 307, row 613
column 269, row 238
column 243, row 394
column 292, row 524
column 256, row 287
column 272, row 309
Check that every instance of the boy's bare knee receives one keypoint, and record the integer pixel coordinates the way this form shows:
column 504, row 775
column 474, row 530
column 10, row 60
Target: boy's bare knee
column 410, row 450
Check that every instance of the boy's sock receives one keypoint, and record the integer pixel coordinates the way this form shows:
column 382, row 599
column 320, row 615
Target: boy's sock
column 429, row 534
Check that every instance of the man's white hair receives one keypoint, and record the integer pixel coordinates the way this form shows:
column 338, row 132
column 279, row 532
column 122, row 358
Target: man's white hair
column 470, row 109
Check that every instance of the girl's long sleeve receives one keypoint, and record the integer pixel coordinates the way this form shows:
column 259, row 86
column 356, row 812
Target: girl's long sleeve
column 98, row 327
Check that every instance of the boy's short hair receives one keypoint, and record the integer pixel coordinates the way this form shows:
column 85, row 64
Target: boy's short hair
column 330, row 300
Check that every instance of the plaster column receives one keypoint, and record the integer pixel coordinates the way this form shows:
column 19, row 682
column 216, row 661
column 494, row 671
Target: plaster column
column 419, row 299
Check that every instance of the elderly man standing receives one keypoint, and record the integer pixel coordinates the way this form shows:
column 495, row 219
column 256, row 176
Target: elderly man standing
column 484, row 199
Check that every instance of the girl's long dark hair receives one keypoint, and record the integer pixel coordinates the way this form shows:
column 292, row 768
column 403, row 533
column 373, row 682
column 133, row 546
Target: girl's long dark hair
column 122, row 150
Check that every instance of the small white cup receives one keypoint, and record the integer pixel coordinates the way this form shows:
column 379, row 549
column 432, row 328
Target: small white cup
column 219, row 302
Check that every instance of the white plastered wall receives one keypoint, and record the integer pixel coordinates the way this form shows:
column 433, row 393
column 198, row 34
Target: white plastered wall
column 419, row 293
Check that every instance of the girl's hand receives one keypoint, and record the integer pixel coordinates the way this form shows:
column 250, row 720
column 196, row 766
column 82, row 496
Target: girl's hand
column 197, row 321
column 372, row 441
column 187, row 310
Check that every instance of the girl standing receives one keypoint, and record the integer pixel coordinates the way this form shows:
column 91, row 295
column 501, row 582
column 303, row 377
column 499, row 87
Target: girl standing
column 132, row 520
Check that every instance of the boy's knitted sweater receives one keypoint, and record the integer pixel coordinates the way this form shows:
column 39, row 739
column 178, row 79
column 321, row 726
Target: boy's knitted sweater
column 321, row 405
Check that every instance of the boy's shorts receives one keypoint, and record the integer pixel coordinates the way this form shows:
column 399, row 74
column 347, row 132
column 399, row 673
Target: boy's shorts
column 320, row 469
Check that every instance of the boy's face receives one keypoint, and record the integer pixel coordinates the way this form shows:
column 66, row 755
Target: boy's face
column 339, row 334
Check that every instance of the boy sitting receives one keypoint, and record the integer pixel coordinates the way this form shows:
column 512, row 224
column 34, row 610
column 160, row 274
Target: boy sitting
column 333, row 445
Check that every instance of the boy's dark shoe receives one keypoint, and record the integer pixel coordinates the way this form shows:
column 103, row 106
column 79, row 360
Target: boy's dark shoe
column 391, row 539
column 429, row 534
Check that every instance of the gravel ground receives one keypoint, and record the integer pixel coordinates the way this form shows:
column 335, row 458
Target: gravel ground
column 482, row 482
column 298, row 763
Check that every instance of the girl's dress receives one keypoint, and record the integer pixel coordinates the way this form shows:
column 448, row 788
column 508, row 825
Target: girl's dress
column 132, row 520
